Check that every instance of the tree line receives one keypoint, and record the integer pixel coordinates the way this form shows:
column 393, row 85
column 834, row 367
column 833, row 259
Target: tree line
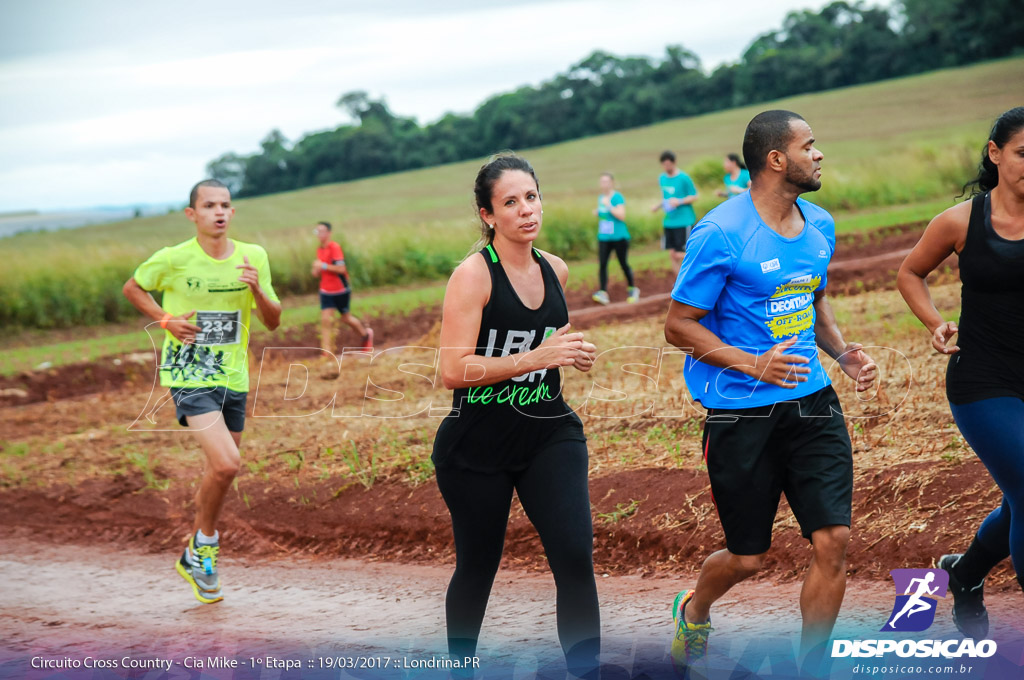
column 842, row 44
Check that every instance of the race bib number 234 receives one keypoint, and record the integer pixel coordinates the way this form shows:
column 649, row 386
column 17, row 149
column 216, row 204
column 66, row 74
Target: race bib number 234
column 218, row 328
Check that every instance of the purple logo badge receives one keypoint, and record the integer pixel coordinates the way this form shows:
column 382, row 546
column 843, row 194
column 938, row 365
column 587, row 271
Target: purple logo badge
column 917, row 593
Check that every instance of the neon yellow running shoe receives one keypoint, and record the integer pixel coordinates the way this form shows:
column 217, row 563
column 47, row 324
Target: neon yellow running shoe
column 691, row 640
column 198, row 566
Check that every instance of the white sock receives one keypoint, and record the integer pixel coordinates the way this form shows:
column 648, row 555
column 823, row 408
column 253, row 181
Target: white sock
column 208, row 540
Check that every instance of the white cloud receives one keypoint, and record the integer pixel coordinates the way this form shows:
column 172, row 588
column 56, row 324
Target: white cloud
column 117, row 182
column 251, row 68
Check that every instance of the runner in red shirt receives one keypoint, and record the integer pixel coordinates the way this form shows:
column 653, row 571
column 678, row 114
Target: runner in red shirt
column 335, row 293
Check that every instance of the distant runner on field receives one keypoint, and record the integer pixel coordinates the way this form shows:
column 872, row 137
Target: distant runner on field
column 335, row 292
column 678, row 194
column 210, row 285
column 612, row 236
column 750, row 302
column 736, row 179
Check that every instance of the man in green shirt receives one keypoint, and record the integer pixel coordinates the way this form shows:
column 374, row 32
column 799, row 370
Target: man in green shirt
column 210, row 286
column 678, row 194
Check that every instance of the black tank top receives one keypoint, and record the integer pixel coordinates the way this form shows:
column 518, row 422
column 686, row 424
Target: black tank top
column 502, row 426
column 990, row 362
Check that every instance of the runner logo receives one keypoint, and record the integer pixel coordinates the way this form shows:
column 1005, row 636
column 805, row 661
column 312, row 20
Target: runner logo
column 917, row 593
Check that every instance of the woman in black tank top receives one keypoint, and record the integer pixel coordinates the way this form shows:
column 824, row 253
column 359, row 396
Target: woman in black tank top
column 985, row 375
column 504, row 339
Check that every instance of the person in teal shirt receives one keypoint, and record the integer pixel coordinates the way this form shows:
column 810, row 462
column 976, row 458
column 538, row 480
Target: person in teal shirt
column 678, row 194
column 737, row 179
column 612, row 235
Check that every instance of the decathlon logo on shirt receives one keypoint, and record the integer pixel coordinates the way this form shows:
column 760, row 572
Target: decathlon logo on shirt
column 770, row 266
column 789, row 304
column 917, row 594
column 790, row 309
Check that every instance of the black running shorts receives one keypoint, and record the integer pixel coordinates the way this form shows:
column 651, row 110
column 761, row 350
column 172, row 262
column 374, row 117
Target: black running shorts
column 675, row 238
column 196, row 401
column 339, row 301
column 753, row 455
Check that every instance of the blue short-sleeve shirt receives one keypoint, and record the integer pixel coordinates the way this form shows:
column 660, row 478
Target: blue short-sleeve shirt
column 758, row 288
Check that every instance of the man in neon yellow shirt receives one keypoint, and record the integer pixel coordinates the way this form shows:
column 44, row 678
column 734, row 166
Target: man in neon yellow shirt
column 210, row 286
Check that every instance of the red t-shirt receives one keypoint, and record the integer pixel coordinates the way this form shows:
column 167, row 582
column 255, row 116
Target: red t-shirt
column 329, row 281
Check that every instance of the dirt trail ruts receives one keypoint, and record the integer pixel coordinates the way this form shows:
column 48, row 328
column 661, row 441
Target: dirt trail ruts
column 671, row 528
column 863, row 262
column 77, row 600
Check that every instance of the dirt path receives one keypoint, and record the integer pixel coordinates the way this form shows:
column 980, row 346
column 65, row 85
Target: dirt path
column 671, row 527
column 108, row 600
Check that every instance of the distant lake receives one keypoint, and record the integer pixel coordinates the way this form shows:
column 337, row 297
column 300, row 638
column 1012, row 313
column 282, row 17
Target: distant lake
column 72, row 219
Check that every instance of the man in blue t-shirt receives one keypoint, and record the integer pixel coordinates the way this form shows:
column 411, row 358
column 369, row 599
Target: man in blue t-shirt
column 749, row 302
column 678, row 194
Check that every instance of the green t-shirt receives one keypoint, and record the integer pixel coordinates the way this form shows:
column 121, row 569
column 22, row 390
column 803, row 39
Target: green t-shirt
column 610, row 227
column 678, row 186
column 191, row 279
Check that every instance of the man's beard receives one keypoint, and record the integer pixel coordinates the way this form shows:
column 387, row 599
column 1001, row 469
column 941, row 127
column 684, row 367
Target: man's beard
column 801, row 180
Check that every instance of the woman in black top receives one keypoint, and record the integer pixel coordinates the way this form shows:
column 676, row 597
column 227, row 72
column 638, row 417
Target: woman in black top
column 504, row 338
column 985, row 375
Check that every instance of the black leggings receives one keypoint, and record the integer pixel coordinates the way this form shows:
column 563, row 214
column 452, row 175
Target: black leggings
column 604, row 251
column 553, row 491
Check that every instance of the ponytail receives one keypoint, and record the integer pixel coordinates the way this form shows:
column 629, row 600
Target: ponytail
column 1005, row 127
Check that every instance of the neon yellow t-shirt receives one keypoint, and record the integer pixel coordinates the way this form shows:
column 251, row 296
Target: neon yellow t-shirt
column 191, row 279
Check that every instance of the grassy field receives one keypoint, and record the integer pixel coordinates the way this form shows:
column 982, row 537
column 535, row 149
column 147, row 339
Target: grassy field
column 25, row 350
column 894, row 151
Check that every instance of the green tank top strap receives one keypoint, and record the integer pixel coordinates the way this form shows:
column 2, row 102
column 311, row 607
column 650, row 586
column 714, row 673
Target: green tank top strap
column 494, row 255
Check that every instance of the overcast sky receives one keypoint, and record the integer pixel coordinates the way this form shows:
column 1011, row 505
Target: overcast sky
column 112, row 103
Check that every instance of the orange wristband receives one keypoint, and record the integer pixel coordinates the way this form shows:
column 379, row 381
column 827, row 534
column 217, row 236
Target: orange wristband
column 163, row 321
